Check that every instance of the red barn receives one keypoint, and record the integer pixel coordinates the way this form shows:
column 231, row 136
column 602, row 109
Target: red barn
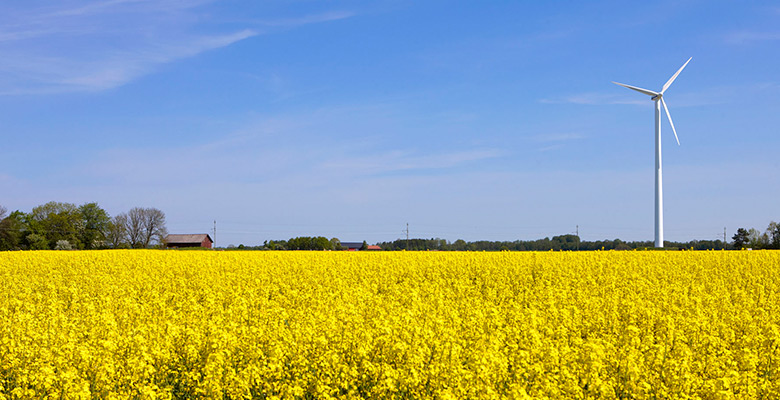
column 197, row 240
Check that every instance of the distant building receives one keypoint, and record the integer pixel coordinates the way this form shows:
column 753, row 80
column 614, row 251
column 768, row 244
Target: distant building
column 197, row 240
column 355, row 246
column 352, row 246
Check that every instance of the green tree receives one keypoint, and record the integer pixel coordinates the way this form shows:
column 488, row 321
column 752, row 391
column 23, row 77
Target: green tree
column 12, row 231
column 773, row 231
column 459, row 245
column 322, row 243
column 309, row 243
column 275, row 245
column 37, row 242
column 95, row 224
column 364, row 246
column 741, row 238
column 56, row 221
column 757, row 240
column 63, row 245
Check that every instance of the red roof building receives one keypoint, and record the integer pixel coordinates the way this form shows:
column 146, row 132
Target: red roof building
column 196, row 240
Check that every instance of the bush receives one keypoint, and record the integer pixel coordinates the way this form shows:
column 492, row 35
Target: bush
column 37, row 242
column 63, row 245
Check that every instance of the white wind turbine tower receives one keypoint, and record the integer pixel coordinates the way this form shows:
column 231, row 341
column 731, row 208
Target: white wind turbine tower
column 658, row 98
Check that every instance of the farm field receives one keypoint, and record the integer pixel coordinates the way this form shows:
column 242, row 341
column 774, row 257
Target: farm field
column 234, row 325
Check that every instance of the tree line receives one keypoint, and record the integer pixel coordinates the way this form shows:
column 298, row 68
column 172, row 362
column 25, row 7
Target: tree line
column 65, row 226
column 743, row 239
column 558, row 243
column 296, row 243
column 753, row 238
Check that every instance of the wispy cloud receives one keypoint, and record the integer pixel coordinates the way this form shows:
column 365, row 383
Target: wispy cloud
column 549, row 148
column 91, row 8
column 721, row 94
column 750, row 37
column 66, row 75
column 307, row 19
column 724, row 94
column 76, row 47
column 406, row 160
column 557, row 137
column 554, row 141
column 593, row 98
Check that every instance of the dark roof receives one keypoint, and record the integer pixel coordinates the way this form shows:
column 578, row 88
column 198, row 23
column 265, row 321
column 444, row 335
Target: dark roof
column 352, row 245
column 193, row 238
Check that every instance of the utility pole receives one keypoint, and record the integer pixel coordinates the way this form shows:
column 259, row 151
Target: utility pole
column 215, row 233
column 407, row 236
column 578, row 237
column 724, row 237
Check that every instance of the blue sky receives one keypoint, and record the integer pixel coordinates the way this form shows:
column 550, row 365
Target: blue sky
column 482, row 120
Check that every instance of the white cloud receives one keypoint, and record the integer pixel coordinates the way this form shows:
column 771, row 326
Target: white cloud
column 77, row 47
column 750, row 37
column 405, row 160
column 307, row 19
column 557, row 137
column 35, row 74
column 555, row 141
column 721, row 94
column 123, row 67
column 549, row 148
column 593, row 98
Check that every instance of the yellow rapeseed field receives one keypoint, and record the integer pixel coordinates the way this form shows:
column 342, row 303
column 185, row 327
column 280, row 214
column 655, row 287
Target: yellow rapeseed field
column 240, row 325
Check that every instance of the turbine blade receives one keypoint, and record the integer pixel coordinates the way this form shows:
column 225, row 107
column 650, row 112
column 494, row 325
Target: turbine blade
column 638, row 89
column 669, row 82
column 670, row 120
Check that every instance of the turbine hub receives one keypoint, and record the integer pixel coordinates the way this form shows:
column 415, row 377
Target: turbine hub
column 656, row 97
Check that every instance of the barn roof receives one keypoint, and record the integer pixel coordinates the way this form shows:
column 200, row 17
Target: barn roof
column 194, row 238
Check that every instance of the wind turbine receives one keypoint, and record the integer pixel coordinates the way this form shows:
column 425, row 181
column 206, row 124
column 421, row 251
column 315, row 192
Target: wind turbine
column 658, row 98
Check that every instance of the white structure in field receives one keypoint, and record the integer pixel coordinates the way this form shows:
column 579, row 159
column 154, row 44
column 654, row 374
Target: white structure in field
column 658, row 98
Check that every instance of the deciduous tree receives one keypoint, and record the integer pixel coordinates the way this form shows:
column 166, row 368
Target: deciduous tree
column 145, row 227
column 773, row 231
column 12, row 231
column 116, row 234
column 94, row 226
column 757, row 240
column 56, row 221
